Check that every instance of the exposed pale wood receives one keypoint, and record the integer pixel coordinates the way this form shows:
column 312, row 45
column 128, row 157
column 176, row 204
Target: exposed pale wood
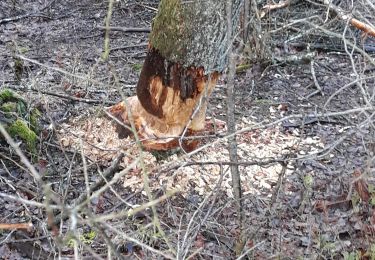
column 160, row 123
column 188, row 49
column 367, row 29
column 10, row 226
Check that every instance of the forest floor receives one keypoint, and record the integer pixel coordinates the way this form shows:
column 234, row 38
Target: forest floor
column 306, row 159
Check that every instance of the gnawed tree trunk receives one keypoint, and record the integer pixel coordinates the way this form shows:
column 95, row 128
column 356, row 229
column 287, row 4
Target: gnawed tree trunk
column 188, row 49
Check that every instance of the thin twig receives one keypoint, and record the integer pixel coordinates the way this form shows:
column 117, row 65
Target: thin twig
column 113, row 180
column 128, row 47
column 275, row 194
column 347, row 17
column 132, row 212
column 145, row 177
column 28, row 239
column 143, row 245
column 260, row 162
column 28, row 202
column 106, row 28
column 191, row 233
column 231, row 125
column 108, row 174
column 148, row 7
column 316, row 82
column 73, row 75
column 250, row 249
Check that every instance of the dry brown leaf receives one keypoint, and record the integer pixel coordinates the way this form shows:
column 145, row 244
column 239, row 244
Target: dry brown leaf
column 372, row 219
column 321, row 206
column 361, row 186
column 199, row 241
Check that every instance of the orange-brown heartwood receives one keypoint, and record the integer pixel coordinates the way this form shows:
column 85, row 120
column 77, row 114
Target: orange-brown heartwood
column 168, row 100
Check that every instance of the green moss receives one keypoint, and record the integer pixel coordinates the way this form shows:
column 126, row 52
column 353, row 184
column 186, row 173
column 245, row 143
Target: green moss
column 167, row 31
column 137, row 67
column 351, row 255
column 86, row 238
column 263, row 101
column 23, row 50
column 70, row 243
column 372, row 251
column 242, row 68
column 8, row 107
column 308, row 181
column 18, row 69
column 20, row 129
column 7, row 95
column 34, row 119
column 371, row 189
column 20, row 121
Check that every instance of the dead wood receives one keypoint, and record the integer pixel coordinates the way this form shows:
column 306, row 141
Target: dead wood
column 348, row 18
column 22, row 226
column 126, row 29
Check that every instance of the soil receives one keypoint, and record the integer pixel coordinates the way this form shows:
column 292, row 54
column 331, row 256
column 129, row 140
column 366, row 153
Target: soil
column 306, row 157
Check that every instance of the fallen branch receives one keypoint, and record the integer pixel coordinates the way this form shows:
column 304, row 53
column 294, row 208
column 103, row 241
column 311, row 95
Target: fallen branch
column 128, row 47
column 148, row 7
column 296, row 59
column 34, row 14
column 19, row 17
column 280, row 180
column 10, row 226
column 125, row 29
column 134, row 211
column 354, row 46
column 107, row 175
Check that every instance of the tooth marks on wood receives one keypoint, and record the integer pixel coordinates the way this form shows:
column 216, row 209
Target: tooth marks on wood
column 158, row 74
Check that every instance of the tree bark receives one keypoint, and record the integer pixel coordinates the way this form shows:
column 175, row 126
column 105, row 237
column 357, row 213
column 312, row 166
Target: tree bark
column 188, row 49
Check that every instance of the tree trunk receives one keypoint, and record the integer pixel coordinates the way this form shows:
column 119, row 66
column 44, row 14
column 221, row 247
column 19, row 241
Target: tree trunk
column 188, row 49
